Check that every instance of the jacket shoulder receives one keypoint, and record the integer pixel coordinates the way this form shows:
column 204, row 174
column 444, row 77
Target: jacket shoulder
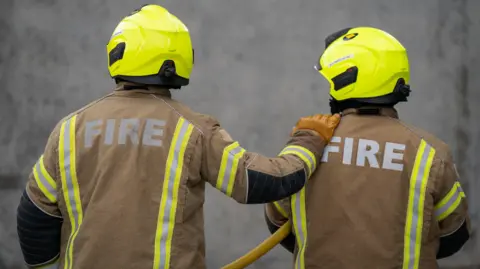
column 204, row 123
column 438, row 144
column 85, row 107
column 56, row 129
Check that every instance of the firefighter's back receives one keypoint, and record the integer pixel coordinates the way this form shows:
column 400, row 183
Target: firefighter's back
column 370, row 203
column 122, row 168
column 387, row 195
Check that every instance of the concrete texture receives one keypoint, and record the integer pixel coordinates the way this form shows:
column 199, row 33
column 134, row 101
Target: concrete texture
column 253, row 72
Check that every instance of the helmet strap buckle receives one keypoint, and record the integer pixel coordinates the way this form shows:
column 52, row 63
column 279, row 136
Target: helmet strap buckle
column 167, row 69
column 401, row 90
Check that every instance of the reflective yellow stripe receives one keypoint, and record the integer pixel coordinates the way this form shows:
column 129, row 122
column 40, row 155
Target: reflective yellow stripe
column 280, row 209
column 306, row 155
column 416, row 200
column 231, row 180
column 450, row 202
column 45, row 182
column 300, row 226
column 228, row 167
column 71, row 190
column 168, row 203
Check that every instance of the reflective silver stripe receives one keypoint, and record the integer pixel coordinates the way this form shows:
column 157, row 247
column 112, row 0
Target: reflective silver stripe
column 170, row 182
column 71, row 190
column 68, row 174
column 446, row 207
column 299, row 221
column 415, row 212
column 304, row 154
column 44, row 183
column 460, row 189
column 416, row 202
column 228, row 168
column 168, row 204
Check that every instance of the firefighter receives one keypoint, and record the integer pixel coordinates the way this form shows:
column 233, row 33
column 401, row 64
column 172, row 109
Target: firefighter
column 121, row 181
column 387, row 194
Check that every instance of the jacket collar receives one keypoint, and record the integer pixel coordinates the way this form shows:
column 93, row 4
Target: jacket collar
column 379, row 111
column 127, row 88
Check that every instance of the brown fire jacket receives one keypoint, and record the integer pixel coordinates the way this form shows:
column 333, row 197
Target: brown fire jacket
column 386, row 195
column 126, row 176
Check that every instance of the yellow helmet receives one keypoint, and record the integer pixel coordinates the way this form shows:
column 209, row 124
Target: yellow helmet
column 153, row 47
column 365, row 65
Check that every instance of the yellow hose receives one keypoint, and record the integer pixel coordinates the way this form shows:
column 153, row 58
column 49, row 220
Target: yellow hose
column 262, row 248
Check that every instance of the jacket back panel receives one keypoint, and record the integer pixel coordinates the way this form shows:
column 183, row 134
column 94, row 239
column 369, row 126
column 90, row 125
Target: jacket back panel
column 357, row 200
column 134, row 170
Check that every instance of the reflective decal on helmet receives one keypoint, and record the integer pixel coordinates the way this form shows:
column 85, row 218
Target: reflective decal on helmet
column 350, row 36
column 117, row 33
column 340, row 59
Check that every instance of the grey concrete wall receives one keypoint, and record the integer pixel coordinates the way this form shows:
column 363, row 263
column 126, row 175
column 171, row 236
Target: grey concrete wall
column 253, row 72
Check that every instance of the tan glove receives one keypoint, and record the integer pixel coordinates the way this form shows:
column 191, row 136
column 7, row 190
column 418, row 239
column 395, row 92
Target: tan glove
column 323, row 125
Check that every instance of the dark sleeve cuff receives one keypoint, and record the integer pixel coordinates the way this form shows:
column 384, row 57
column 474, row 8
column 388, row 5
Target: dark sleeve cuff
column 289, row 242
column 38, row 232
column 265, row 188
column 452, row 243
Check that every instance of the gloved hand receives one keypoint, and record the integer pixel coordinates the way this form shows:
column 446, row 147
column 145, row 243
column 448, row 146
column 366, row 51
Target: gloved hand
column 323, row 125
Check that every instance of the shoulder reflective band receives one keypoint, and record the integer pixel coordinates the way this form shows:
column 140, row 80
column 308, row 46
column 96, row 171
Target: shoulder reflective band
column 450, row 202
column 306, row 155
column 45, row 182
column 228, row 167
column 416, row 200
column 300, row 226
column 280, row 209
column 71, row 190
column 168, row 202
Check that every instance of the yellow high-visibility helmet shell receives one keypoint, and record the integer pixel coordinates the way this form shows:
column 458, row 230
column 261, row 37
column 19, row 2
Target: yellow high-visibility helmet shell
column 148, row 46
column 363, row 63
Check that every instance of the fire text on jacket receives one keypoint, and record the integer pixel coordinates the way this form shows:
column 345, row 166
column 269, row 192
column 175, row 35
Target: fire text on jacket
column 148, row 132
column 368, row 153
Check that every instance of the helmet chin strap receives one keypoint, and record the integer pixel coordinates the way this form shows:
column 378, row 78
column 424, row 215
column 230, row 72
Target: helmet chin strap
column 334, row 106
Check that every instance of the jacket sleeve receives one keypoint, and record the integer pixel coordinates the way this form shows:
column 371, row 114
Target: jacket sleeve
column 451, row 210
column 39, row 220
column 277, row 214
column 252, row 178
